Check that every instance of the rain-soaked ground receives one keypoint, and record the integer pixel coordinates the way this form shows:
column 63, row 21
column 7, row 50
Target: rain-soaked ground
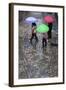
column 36, row 61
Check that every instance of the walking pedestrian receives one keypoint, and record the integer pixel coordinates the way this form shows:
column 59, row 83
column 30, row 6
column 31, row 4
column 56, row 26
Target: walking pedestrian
column 44, row 39
column 34, row 32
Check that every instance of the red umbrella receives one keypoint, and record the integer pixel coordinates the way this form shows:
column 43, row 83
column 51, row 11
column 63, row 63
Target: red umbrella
column 49, row 19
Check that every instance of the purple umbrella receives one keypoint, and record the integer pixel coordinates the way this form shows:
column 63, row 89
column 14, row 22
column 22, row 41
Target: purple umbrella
column 30, row 20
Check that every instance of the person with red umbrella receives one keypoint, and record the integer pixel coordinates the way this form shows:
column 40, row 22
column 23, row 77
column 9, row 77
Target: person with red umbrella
column 49, row 20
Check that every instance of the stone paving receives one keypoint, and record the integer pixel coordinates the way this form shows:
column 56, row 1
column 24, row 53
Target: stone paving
column 36, row 61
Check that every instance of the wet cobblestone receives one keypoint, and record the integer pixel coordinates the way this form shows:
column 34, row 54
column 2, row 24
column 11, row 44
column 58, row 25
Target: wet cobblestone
column 35, row 61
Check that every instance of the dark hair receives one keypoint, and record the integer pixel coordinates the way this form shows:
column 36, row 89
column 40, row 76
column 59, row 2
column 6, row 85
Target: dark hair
column 33, row 24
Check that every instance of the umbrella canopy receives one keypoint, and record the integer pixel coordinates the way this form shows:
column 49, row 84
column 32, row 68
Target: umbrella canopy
column 43, row 28
column 49, row 19
column 30, row 20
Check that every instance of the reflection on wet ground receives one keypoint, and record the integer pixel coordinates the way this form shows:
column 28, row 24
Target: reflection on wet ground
column 36, row 61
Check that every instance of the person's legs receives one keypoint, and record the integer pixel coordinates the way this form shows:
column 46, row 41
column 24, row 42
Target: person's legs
column 44, row 42
column 49, row 32
column 36, row 37
column 32, row 37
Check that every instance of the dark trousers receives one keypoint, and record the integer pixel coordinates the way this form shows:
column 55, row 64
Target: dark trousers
column 44, row 42
column 49, row 34
column 34, row 35
column 50, row 31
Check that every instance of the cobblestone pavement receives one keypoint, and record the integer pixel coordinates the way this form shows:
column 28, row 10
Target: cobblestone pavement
column 35, row 61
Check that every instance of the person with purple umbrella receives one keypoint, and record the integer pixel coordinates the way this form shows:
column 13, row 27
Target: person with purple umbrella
column 34, row 26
